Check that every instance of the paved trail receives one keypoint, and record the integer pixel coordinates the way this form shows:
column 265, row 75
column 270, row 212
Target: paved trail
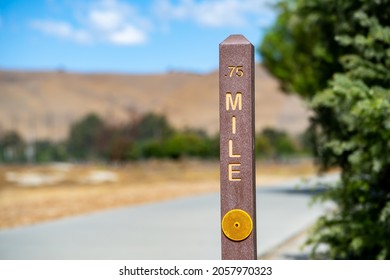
column 186, row 228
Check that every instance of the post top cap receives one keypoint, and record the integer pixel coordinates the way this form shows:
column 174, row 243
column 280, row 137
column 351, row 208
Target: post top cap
column 236, row 39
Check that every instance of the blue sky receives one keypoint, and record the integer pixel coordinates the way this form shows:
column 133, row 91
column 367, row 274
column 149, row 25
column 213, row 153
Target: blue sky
column 125, row 36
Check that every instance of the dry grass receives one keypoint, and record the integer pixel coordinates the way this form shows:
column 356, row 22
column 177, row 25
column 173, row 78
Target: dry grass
column 65, row 190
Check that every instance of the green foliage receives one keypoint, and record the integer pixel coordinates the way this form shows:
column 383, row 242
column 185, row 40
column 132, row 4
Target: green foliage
column 84, row 137
column 263, row 147
column 298, row 49
column 148, row 136
column 187, row 143
column 46, row 151
column 11, row 147
column 351, row 124
column 273, row 143
column 152, row 126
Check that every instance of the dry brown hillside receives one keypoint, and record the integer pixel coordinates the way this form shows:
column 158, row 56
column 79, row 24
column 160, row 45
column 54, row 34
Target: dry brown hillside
column 44, row 104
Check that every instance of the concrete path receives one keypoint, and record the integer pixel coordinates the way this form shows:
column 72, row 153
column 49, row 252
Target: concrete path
column 186, row 228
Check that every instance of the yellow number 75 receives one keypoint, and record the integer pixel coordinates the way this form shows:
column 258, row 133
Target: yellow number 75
column 237, row 70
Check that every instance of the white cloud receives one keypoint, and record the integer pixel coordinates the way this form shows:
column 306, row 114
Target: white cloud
column 117, row 23
column 215, row 13
column 105, row 20
column 220, row 13
column 128, row 35
column 109, row 21
column 61, row 29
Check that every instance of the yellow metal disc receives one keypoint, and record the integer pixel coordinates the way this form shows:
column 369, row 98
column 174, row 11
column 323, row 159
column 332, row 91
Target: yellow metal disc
column 237, row 225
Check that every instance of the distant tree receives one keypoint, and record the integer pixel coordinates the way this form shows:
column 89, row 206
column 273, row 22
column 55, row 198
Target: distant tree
column 336, row 53
column 83, row 137
column 212, row 142
column 153, row 126
column 263, row 147
column 47, row 151
column 186, row 144
column 280, row 143
column 12, row 147
column 120, row 149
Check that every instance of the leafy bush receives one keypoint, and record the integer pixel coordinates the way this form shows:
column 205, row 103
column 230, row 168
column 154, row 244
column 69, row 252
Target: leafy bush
column 337, row 53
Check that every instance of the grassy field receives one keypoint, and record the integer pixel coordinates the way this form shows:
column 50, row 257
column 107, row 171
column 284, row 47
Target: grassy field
column 32, row 194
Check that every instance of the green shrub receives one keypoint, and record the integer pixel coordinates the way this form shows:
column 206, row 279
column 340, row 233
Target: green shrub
column 337, row 54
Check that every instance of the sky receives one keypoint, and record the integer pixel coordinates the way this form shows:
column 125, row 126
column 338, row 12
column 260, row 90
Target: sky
column 119, row 36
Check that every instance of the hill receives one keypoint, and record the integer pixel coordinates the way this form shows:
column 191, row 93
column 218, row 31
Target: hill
column 44, row 104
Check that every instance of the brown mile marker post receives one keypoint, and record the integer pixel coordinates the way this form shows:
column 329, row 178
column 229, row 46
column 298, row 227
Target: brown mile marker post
column 237, row 158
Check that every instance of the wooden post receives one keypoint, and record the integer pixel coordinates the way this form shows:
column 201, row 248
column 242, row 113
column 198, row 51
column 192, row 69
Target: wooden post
column 237, row 157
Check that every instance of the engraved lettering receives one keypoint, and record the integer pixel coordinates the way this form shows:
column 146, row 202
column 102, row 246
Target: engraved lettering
column 234, row 124
column 233, row 171
column 237, row 69
column 233, row 104
column 231, row 150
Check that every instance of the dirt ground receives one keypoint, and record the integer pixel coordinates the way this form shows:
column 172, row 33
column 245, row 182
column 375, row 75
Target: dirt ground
column 31, row 194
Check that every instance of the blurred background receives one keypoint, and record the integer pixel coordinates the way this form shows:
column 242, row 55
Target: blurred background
column 111, row 103
column 90, row 88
